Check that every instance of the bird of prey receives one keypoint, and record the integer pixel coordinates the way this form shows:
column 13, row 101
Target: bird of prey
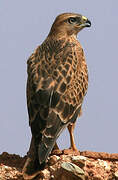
column 56, row 86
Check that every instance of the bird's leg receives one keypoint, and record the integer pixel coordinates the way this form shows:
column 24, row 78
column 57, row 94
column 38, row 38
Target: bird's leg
column 55, row 147
column 72, row 141
column 72, row 150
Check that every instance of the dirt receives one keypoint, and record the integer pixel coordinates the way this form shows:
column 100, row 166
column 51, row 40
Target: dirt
column 96, row 165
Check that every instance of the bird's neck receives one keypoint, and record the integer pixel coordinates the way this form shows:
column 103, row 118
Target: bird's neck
column 60, row 33
column 59, row 36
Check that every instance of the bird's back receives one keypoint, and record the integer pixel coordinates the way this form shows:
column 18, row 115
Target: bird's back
column 57, row 83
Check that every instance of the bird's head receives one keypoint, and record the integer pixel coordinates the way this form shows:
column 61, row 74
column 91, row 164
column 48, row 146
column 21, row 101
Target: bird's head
column 69, row 24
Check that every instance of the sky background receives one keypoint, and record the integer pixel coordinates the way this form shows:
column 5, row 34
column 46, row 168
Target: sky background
column 23, row 26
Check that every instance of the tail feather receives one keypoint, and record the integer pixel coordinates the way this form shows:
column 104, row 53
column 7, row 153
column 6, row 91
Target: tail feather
column 46, row 131
column 51, row 133
column 43, row 152
column 49, row 138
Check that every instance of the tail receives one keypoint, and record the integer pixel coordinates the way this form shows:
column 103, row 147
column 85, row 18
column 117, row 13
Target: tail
column 39, row 150
column 46, row 131
column 32, row 168
column 52, row 131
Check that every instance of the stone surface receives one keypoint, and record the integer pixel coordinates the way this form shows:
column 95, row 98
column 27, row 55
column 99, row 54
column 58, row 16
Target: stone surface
column 86, row 166
column 100, row 155
column 53, row 159
column 79, row 160
column 73, row 169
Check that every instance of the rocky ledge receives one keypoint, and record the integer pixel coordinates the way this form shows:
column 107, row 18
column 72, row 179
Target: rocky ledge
column 64, row 166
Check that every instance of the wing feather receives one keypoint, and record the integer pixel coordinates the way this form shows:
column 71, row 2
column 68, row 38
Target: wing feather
column 54, row 92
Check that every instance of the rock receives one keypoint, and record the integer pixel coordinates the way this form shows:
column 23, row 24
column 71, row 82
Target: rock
column 100, row 155
column 79, row 160
column 76, row 158
column 53, row 159
column 74, row 169
column 65, row 157
column 56, row 152
column 45, row 174
column 116, row 174
column 70, row 151
column 88, row 165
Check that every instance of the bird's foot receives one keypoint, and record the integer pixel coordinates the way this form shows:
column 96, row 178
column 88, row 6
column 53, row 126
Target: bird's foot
column 56, row 152
column 71, row 151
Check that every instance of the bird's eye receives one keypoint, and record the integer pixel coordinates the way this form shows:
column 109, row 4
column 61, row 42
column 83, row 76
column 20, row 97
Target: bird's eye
column 72, row 20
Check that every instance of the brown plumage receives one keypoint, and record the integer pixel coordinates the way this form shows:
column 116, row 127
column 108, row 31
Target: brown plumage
column 57, row 83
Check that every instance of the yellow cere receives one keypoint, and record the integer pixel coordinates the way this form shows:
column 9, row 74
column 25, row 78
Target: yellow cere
column 84, row 18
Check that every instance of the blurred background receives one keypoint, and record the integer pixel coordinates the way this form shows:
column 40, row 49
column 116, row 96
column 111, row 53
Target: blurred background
column 23, row 26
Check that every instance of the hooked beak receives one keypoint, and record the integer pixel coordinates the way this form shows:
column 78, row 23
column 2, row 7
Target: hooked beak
column 85, row 22
column 88, row 23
